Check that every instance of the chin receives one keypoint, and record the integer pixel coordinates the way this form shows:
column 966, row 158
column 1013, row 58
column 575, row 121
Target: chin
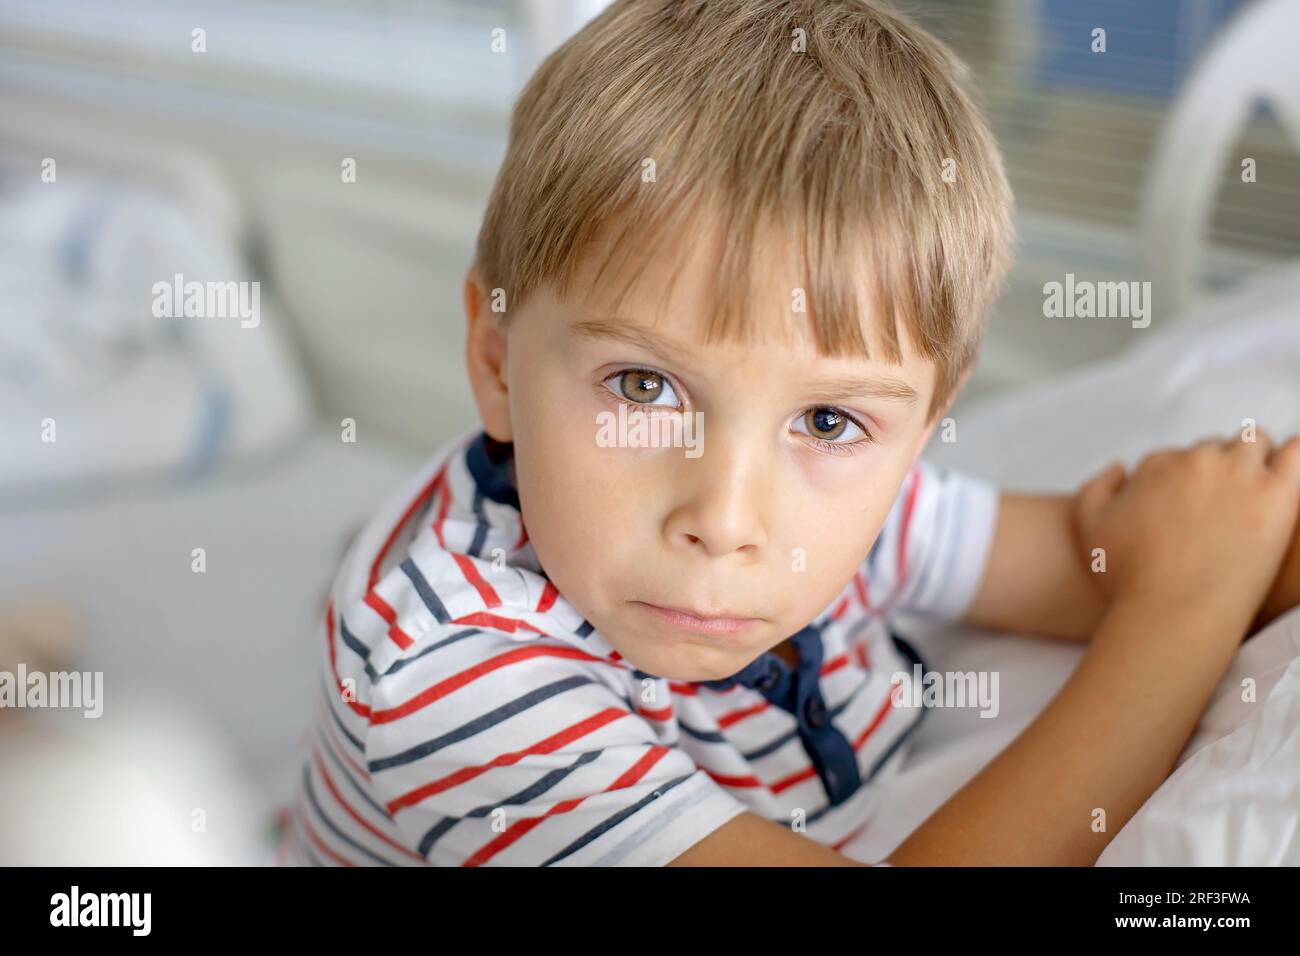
column 675, row 658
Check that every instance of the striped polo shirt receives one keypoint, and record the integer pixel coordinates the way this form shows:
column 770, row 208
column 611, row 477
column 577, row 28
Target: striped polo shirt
column 469, row 715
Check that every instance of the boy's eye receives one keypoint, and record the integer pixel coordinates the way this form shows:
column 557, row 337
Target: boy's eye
column 830, row 425
column 643, row 387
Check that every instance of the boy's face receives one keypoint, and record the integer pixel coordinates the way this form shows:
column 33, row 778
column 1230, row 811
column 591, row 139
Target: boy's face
column 763, row 523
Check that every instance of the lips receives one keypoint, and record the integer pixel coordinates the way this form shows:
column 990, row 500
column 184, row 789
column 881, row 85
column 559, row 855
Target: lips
column 699, row 621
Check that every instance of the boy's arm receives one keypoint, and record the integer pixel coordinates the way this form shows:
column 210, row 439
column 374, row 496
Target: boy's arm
column 1034, row 581
column 1036, row 803
column 1194, row 541
column 1104, row 743
column 1285, row 593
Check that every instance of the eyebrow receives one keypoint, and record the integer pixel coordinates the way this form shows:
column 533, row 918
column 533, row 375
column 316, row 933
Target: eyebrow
column 832, row 389
column 885, row 389
column 635, row 335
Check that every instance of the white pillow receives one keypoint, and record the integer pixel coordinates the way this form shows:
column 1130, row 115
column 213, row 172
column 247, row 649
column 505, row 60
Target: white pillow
column 127, row 395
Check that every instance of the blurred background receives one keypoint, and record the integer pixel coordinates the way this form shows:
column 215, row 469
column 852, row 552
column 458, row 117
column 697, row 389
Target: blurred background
column 175, row 494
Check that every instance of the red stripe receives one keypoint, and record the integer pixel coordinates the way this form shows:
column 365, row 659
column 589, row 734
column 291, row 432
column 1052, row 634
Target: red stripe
column 738, row 782
column 454, row 683
column 831, row 666
column 663, row 713
column 468, row 568
column 358, row 708
column 840, row 609
column 338, row 797
column 549, row 745
column 517, row 830
column 384, row 610
column 419, row 501
column 484, row 619
column 902, row 536
column 845, row 842
column 794, row 779
column 864, row 595
column 864, row 659
column 549, row 594
column 880, row 715
column 320, row 844
column 726, row 720
column 443, row 508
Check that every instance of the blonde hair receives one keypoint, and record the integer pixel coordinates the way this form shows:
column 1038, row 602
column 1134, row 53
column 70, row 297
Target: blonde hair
column 832, row 122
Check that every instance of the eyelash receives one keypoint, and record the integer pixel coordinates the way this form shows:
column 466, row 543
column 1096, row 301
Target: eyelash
column 830, row 447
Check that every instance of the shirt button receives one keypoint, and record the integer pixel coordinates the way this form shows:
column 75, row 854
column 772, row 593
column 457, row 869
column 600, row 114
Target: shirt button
column 814, row 711
column 771, row 678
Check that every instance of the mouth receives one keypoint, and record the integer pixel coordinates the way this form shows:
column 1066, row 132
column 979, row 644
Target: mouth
column 698, row 621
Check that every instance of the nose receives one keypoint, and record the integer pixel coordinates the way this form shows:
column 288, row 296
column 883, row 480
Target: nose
column 723, row 504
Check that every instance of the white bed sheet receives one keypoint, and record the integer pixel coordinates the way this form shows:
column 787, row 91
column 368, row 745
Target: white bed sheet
column 1235, row 357
column 213, row 659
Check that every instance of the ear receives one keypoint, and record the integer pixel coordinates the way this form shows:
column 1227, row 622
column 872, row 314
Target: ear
column 485, row 360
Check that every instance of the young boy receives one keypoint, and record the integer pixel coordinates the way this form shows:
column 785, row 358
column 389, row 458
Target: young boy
column 733, row 272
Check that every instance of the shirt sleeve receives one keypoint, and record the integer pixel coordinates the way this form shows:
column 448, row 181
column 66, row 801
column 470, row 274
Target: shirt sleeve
column 930, row 555
column 521, row 753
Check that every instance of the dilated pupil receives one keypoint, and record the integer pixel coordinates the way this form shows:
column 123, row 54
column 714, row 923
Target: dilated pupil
column 641, row 386
column 825, row 422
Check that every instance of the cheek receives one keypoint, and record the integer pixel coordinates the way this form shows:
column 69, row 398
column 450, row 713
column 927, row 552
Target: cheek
column 838, row 503
column 580, row 501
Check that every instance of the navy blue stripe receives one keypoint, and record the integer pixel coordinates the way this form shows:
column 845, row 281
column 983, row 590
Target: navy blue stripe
column 402, row 662
column 343, row 770
column 527, row 795
column 311, row 796
column 708, row 736
column 481, row 530
column 479, row 724
column 586, row 629
column 304, row 843
column 612, row 821
column 330, row 695
column 913, row 657
column 776, row 744
column 893, row 748
column 353, row 644
column 431, row 600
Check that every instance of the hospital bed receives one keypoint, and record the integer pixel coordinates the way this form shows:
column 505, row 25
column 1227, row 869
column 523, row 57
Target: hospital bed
column 207, row 692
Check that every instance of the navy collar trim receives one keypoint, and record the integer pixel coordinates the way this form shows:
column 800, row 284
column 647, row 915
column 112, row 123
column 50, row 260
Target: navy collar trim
column 489, row 461
column 766, row 672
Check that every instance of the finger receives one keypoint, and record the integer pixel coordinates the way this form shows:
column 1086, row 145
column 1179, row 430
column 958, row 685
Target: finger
column 1285, row 459
column 1258, row 448
column 1213, row 443
column 1099, row 489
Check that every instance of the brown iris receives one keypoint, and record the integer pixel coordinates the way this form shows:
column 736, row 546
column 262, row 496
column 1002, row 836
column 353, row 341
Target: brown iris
column 640, row 387
column 825, row 423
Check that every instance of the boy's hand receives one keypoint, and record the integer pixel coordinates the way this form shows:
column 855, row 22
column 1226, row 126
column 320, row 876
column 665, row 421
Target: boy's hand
column 1285, row 593
column 1207, row 526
